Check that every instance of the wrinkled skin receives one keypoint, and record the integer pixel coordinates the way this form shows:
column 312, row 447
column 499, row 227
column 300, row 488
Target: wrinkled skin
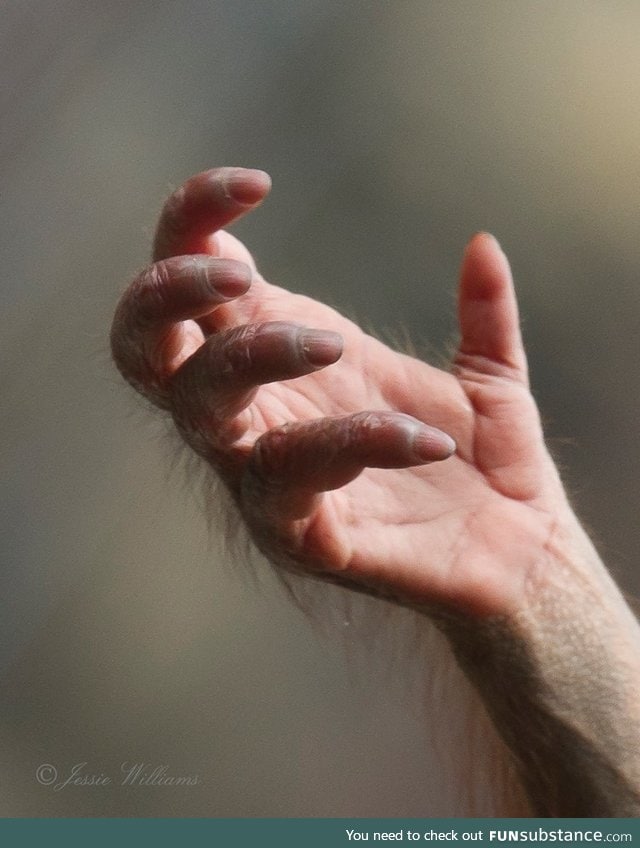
column 338, row 452
column 335, row 447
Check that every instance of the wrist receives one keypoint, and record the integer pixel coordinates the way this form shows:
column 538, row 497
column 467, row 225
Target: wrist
column 559, row 677
column 570, row 589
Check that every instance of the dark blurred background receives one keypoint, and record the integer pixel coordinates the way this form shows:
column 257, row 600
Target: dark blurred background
column 392, row 131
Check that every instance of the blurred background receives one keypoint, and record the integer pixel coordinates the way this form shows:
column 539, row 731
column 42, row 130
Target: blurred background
column 392, row 131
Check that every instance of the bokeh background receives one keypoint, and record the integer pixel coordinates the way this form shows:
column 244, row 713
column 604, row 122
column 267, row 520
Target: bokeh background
column 392, row 131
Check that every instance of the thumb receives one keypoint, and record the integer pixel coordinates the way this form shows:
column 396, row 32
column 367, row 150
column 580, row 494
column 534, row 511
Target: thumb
column 490, row 338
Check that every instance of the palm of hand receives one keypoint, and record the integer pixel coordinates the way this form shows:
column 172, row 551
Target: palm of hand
column 464, row 533
column 456, row 533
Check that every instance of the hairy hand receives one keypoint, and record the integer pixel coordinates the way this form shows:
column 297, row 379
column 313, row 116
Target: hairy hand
column 347, row 459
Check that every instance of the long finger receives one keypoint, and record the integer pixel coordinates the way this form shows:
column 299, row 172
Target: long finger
column 154, row 329
column 219, row 381
column 291, row 466
column 204, row 204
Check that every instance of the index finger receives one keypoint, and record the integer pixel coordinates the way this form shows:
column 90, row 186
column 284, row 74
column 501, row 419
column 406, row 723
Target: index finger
column 204, row 204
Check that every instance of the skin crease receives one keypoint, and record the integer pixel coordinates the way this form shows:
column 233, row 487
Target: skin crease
column 366, row 531
column 338, row 450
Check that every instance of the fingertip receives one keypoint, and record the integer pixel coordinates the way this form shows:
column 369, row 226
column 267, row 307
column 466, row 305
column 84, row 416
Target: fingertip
column 228, row 277
column 485, row 267
column 320, row 347
column 205, row 204
column 246, row 186
column 432, row 445
column 482, row 237
column 484, row 246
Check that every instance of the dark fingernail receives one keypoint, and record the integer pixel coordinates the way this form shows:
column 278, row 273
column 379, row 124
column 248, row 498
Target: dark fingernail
column 246, row 185
column 228, row 278
column 321, row 347
column 432, row 445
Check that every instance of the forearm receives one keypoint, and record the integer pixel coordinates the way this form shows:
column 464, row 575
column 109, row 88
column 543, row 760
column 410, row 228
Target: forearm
column 561, row 680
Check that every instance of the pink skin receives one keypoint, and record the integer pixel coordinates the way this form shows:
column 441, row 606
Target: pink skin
column 336, row 448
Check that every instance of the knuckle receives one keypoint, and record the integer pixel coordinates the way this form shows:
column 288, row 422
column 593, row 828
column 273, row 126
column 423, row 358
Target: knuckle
column 135, row 313
column 156, row 279
column 272, row 457
column 119, row 346
column 148, row 293
column 236, row 354
column 174, row 204
column 172, row 215
column 124, row 339
column 364, row 423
